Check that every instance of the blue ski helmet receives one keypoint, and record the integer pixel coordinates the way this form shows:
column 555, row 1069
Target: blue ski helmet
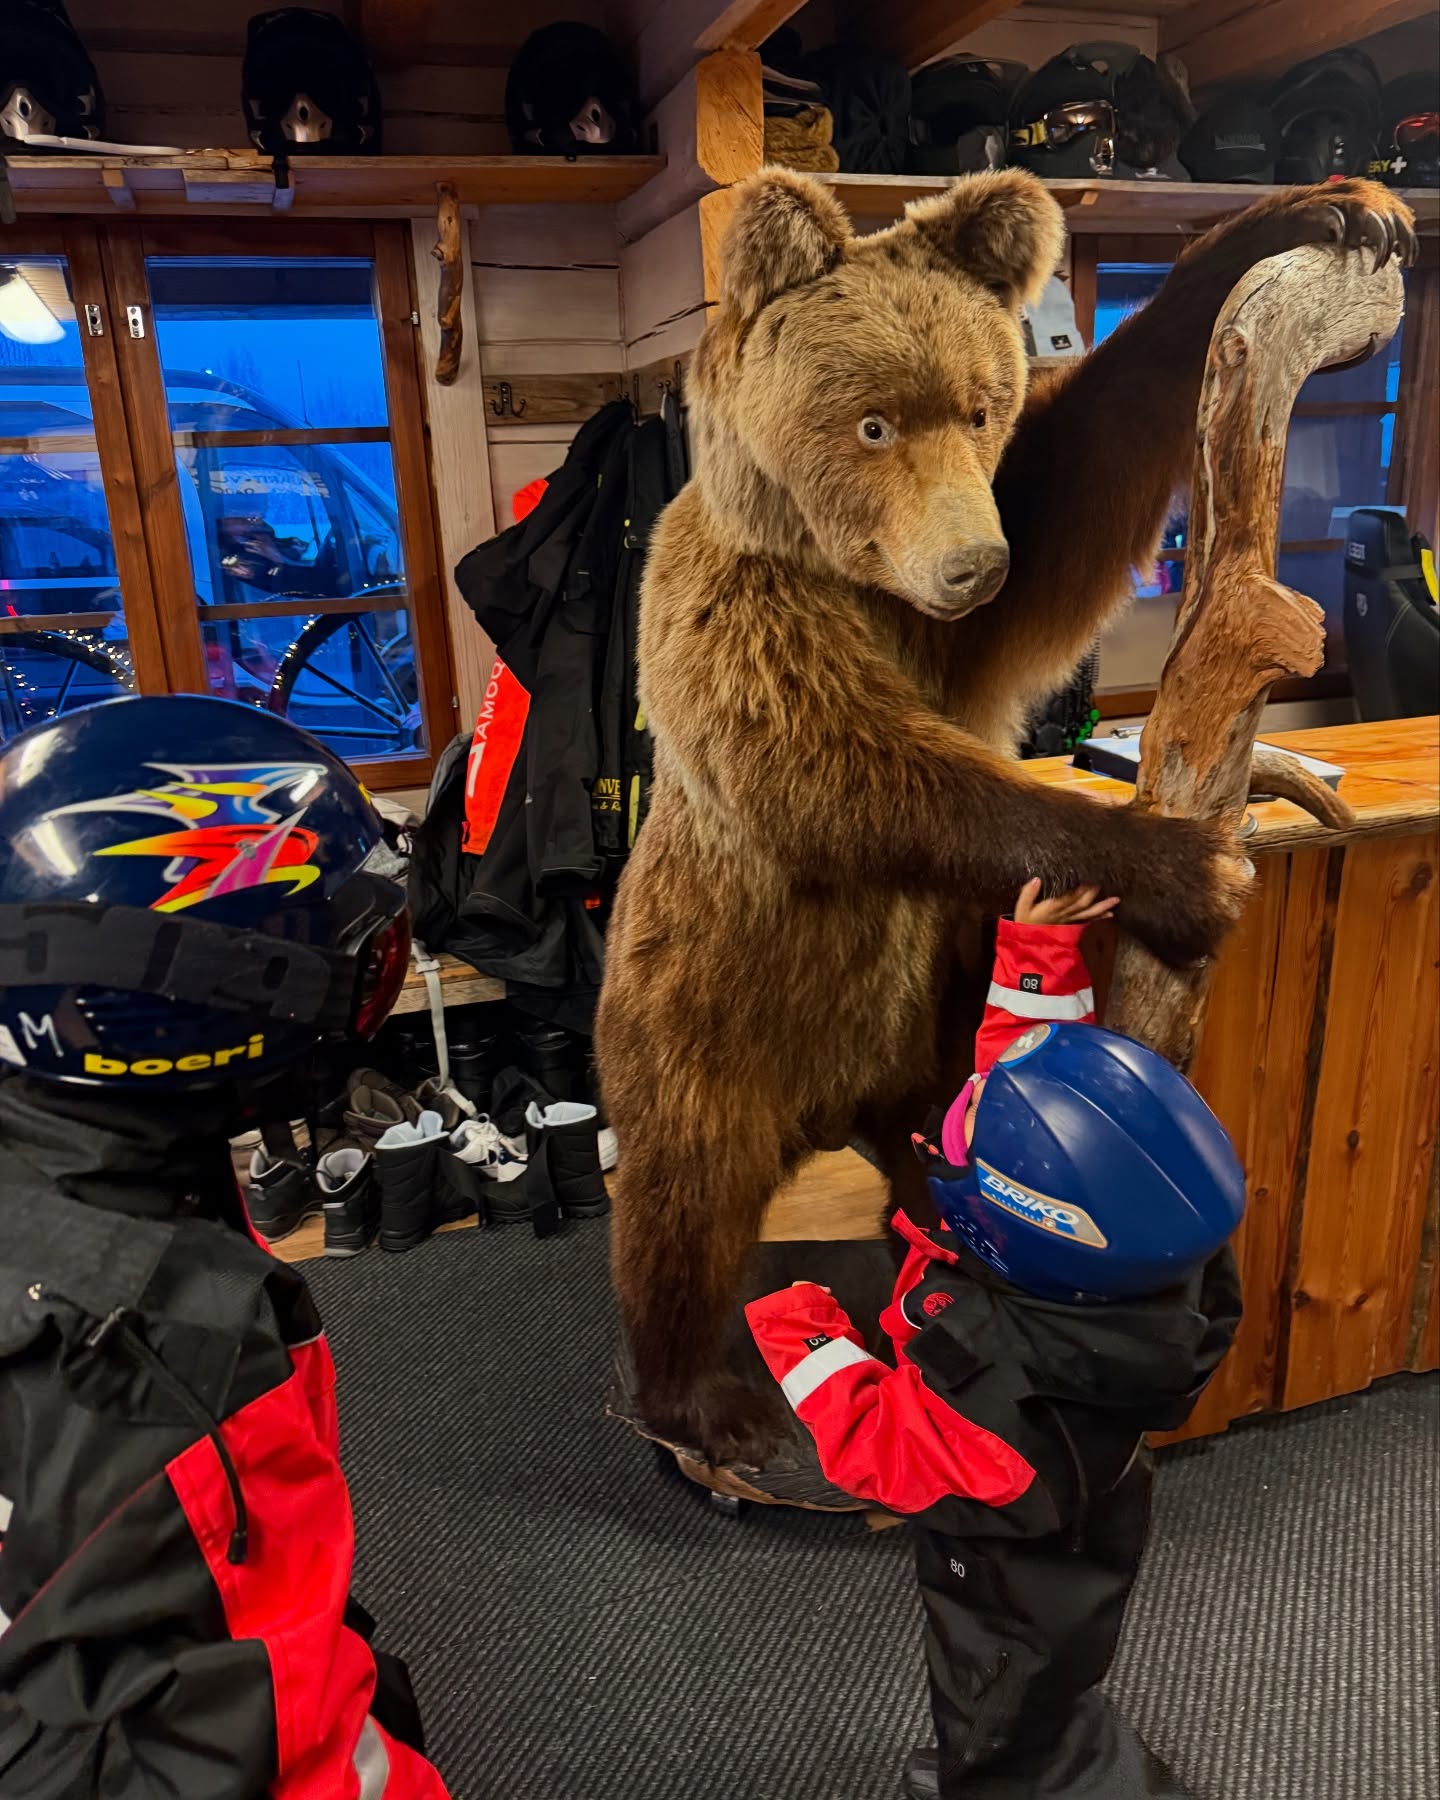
column 1096, row 1171
column 184, row 900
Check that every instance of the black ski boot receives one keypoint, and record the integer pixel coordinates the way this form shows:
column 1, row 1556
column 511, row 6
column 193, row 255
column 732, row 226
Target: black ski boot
column 346, row 1179
column 564, row 1167
column 406, row 1163
column 281, row 1195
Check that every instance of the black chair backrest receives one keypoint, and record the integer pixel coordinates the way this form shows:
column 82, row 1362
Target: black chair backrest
column 1392, row 626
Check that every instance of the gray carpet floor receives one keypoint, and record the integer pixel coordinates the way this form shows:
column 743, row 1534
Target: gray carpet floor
column 583, row 1626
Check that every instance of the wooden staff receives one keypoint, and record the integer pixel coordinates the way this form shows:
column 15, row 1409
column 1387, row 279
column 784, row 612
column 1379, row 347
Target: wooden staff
column 1238, row 628
column 452, row 282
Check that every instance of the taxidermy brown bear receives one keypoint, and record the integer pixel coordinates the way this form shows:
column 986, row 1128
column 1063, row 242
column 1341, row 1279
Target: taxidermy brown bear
column 892, row 546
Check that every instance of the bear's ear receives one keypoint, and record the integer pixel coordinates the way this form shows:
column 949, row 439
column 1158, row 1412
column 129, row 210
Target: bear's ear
column 785, row 230
column 1003, row 229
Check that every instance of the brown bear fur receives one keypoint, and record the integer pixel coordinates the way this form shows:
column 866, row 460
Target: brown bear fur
column 835, row 705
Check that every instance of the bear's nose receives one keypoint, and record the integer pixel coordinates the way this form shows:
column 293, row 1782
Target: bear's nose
column 975, row 572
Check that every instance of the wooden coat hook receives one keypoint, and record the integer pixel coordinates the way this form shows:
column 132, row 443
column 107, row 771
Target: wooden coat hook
column 447, row 253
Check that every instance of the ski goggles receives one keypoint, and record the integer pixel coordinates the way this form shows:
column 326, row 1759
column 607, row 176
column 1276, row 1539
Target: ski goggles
column 1062, row 125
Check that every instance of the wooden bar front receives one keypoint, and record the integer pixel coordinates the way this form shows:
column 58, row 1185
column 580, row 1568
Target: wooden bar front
column 1320, row 1055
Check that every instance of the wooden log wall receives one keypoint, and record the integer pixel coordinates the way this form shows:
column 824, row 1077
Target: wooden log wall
column 547, row 298
column 180, row 85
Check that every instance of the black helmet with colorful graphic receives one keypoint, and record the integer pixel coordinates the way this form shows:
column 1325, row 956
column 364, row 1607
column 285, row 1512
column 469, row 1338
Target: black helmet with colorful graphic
column 185, row 900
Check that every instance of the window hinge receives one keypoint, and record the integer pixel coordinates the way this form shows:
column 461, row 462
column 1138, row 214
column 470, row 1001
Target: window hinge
column 414, row 318
column 136, row 317
column 94, row 320
column 454, row 703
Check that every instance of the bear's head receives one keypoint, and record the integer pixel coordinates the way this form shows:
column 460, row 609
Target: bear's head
column 853, row 395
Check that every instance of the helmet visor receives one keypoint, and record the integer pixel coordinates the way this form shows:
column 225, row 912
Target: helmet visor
column 1066, row 124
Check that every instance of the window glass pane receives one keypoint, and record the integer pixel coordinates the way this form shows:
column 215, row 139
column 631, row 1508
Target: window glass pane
column 275, row 379
column 347, row 677
column 1330, row 466
column 62, row 629
column 292, row 336
column 1123, row 288
column 268, row 521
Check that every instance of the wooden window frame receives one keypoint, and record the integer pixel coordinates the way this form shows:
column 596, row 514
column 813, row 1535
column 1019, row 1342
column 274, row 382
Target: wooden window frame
column 78, row 243
column 122, row 249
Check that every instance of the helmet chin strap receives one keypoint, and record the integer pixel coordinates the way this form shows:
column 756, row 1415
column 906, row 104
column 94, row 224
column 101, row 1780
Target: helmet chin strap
column 952, row 1132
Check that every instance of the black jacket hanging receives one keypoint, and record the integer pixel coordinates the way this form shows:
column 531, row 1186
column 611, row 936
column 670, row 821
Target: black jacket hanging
column 531, row 819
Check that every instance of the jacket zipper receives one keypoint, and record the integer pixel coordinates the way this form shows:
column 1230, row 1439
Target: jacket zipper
column 1082, row 1495
column 986, row 1707
column 115, row 1329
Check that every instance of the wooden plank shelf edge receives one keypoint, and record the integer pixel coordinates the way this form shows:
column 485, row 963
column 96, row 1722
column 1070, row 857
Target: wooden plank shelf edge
column 242, row 181
column 1141, row 207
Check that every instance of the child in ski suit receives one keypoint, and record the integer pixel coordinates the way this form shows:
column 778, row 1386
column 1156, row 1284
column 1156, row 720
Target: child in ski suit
column 1012, row 1428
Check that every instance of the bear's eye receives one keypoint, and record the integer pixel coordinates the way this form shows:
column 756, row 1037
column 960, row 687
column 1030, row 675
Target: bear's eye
column 874, row 430
column 979, row 418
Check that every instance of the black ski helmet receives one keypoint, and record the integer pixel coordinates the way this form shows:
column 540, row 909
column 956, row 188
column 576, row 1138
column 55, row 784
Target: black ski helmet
column 48, row 83
column 958, row 112
column 1409, row 145
column 1234, row 140
column 188, row 898
column 307, row 86
column 570, row 92
column 1328, row 113
column 1062, row 120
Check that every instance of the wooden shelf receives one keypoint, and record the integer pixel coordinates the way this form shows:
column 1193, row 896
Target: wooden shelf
column 242, row 181
column 1144, row 208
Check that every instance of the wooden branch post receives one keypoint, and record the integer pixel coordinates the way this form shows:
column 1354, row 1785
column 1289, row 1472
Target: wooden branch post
column 1238, row 629
column 448, row 253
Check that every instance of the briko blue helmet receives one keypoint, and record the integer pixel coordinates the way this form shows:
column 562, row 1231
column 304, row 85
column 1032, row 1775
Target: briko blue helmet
column 1095, row 1171
column 184, row 897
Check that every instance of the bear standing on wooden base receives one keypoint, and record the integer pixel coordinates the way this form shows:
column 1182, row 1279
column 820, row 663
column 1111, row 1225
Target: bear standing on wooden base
column 890, row 549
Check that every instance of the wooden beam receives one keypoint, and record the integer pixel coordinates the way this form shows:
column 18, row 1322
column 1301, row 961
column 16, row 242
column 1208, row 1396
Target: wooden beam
column 459, row 472
column 395, row 30
column 1238, row 629
column 710, row 129
column 1221, row 40
column 915, row 33
column 667, row 37
column 745, row 24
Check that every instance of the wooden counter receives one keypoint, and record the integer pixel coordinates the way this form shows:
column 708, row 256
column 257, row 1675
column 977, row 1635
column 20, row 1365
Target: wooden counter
column 1320, row 1055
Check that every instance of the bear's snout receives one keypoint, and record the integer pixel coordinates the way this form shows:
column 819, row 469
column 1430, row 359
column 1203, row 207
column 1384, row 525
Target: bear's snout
column 973, row 573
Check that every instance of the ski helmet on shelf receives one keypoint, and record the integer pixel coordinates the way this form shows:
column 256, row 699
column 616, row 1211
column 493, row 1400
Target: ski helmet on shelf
column 185, row 901
column 1236, row 139
column 48, row 84
column 570, row 92
column 958, row 112
column 1095, row 1171
column 1328, row 113
column 1152, row 106
column 1062, row 120
column 1409, row 145
column 307, row 86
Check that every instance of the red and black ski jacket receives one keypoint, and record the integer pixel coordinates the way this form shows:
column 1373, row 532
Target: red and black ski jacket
column 1000, row 1410
column 175, row 1529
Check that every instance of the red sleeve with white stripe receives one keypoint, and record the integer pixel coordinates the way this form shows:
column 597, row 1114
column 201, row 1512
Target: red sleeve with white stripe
column 1039, row 975
column 881, row 1433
